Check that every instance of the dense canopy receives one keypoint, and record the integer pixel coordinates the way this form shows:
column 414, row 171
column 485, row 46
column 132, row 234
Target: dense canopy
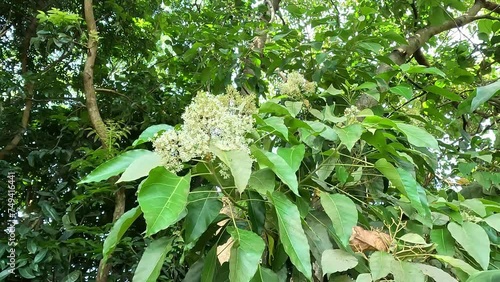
column 272, row 140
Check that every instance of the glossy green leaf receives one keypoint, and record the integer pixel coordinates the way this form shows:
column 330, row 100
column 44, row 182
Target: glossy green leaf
column 411, row 191
column 280, row 167
column 116, row 233
column 203, row 208
column 462, row 265
column 240, row 164
column 389, row 171
column 483, row 94
column 265, row 275
column 292, row 235
column 262, row 181
column 141, row 167
column 152, row 259
column 474, row 240
column 485, row 276
column 150, row 133
column 349, row 135
column 444, row 92
column 445, row 244
column 114, row 166
column 72, row 277
column 343, row 213
column 337, row 261
column 278, row 125
column 435, row 273
column 246, row 253
column 163, row 198
column 293, row 156
column 317, row 235
column 417, row 136
column 494, row 221
column 401, row 90
column 256, row 211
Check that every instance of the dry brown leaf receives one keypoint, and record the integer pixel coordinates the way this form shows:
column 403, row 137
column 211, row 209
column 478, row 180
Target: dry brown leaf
column 363, row 240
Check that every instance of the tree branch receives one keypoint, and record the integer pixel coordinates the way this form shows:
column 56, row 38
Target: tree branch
column 494, row 7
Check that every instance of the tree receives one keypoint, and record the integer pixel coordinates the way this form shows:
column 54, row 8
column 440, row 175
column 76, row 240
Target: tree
column 250, row 141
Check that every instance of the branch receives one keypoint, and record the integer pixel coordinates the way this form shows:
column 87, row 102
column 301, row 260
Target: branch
column 494, row 7
column 401, row 53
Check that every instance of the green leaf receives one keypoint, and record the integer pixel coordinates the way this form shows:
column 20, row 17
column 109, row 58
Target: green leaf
column 151, row 262
column 417, row 136
column 246, row 253
column 349, row 135
column 390, row 172
column 435, row 273
column 278, row 125
column 203, row 208
column 256, row 211
column 445, row 244
column 370, row 46
column 411, row 191
column 114, row 166
column 262, row 181
column 475, row 205
column 163, row 198
column 406, row 271
column 494, row 221
column 343, row 213
column 150, row 132
column 72, row 277
column 323, row 130
column 116, row 233
column 273, row 108
column 443, row 92
column 291, row 233
column 413, row 238
column 210, row 265
column 279, row 166
column 404, row 91
column 474, row 240
column 240, row 164
column 337, row 261
column 293, row 107
column 485, row 276
column 265, row 275
column 141, row 167
column 423, row 69
column 483, row 94
column 26, row 272
column 380, row 264
column 317, row 235
column 462, row 265
column 364, row 277
column 293, row 156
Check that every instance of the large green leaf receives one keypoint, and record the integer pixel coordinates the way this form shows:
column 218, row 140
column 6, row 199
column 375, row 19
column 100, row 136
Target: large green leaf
column 349, row 135
column 152, row 259
column 203, row 208
column 291, row 233
column 256, row 211
column 380, row 264
column 474, row 240
column 343, row 213
column 317, row 235
column 240, row 164
column 72, row 277
column 119, row 228
column 280, row 167
column 411, row 191
column 435, row 273
column 337, row 261
column 210, row 265
column 417, row 136
column 494, row 221
column 141, row 167
column 265, row 275
column 485, row 276
column 150, row 132
column 262, row 181
column 293, row 156
column 475, row 205
column 246, row 253
column 163, row 198
column 483, row 94
column 277, row 124
column 114, row 166
column 445, row 244
column 323, row 130
column 443, row 92
column 389, row 171
column 406, row 271
column 462, row 265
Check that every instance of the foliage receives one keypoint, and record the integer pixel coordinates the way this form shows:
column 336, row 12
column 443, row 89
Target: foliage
column 345, row 166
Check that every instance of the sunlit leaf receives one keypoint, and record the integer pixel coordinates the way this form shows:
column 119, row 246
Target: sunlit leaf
column 343, row 213
column 474, row 240
column 246, row 253
column 152, row 259
column 240, row 164
column 337, row 261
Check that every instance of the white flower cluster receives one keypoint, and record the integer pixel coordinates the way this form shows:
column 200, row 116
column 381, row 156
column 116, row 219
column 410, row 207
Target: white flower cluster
column 351, row 114
column 222, row 121
column 296, row 86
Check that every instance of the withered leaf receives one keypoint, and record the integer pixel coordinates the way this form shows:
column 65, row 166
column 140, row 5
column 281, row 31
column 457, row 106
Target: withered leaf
column 363, row 240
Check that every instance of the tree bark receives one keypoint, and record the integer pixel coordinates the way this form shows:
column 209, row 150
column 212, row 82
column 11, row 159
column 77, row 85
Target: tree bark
column 96, row 119
column 29, row 90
